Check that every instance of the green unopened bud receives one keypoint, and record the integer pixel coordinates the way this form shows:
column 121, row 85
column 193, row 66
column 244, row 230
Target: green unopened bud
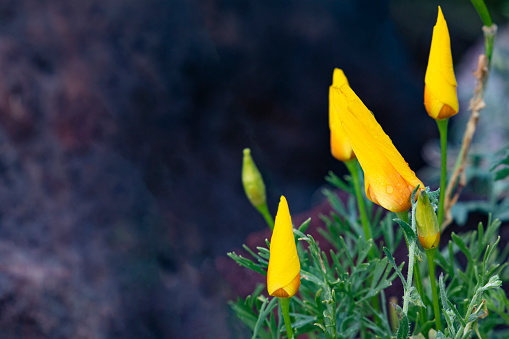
column 428, row 229
column 252, row 181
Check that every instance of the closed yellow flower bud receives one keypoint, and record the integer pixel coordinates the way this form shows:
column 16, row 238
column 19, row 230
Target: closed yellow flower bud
column 283, row 274
column 252, row 181
column 389, row 181
column 440, row 98
column 428, row 229
column 339, row 144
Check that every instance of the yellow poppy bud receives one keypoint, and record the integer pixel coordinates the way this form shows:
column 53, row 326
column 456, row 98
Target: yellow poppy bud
column 283, row 274
column 440, row 98
column 389, row 181
column 428, row 229
column 252, row 181
column 339, row 144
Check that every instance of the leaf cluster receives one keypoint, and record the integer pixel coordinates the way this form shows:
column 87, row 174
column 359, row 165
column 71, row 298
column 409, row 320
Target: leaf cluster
column 343, row 290
column 473, row 288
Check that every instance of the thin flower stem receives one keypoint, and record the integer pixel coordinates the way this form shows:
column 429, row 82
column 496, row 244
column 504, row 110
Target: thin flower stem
column 417, row 271
column 411, row 258
column 489, row 30
column 442, row 128
column 352, row 167
column 264, row 211
column 431, row 264
column 406, row 297
column 420, row 289
column 483, row 12
column 489, row 39
column 285, row 307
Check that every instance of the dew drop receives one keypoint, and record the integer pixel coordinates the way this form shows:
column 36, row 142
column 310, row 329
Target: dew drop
column 389, row 189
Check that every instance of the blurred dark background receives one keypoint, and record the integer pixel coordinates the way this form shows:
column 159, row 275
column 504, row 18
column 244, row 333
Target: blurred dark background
column 122, row 125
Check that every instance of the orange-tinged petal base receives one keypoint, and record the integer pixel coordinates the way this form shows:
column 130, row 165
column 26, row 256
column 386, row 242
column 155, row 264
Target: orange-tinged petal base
column 393, row 193
column 430, row 241
column 435, row 108
column 288, row 291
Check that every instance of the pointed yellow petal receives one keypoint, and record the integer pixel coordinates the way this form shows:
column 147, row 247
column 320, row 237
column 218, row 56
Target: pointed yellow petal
column 339, row 78
column 340, row 146
column 283, row 274
column 440, row 98
column 389, row 181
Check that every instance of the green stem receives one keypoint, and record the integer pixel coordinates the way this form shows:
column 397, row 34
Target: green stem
column 420, row 289
column 489, row 39
column 442, row 128
column 417, row 271
column 483, row 12
column 285, row 307
column 431, row 264
column 264, row 211
column 411, row 258
column 489, row 30
column 352, row 167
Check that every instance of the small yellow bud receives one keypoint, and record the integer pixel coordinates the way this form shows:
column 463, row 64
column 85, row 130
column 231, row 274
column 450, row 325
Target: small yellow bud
column 339, row 143
column 252, row 181
column 283, row 274
column 440, row 98
column 428, row 229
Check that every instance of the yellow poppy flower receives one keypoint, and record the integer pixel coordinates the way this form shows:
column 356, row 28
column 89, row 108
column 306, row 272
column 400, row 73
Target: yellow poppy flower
column 440, row 98
column 339, row 144
column 388, row 180
column 283, row 274
column 426, row 222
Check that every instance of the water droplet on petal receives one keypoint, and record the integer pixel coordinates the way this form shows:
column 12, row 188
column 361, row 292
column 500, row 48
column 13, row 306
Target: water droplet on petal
column 389, row 189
